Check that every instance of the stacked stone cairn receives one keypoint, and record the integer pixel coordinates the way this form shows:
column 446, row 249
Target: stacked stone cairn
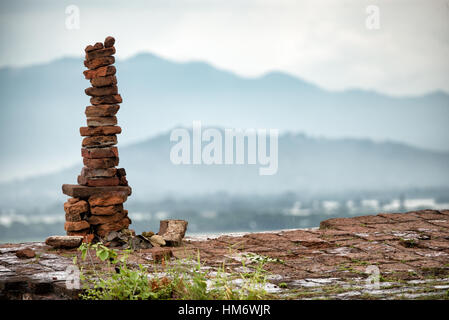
column 96, row 205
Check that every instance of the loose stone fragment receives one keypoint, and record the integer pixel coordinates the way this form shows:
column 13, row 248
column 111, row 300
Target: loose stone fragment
column 101, row 163
column 157, row 240
column 112, row 99
column 64, row 241
column 161, row 254
column 101, row 121
column 173, row 231
column 108, row 199
column 99, row 141
column 26, row 253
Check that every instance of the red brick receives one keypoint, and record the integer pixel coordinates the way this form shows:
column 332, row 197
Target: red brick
column 109, row 42
column 101, row 163
column 95, row 153
column 98, row 173
column 112, row 99
column 102, row 110
column 103, row 81
column 103, row 229
column 99, row 141
column 83, row 232
column 76, row 207
column 100, row 72
column 98, row 182
column 101, row 91
column 108, row 199
column 76, row 226
column 97, row 219
column 100, row 131
column 100, row 53
column 75, row 190
column 107, row 211
column 101, row 121
column 99, row 62
column 96, row 46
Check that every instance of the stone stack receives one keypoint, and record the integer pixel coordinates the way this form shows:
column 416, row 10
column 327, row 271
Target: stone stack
column 96, row 203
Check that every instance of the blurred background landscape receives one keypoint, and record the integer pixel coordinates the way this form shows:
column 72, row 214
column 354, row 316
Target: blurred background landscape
column 367, row 133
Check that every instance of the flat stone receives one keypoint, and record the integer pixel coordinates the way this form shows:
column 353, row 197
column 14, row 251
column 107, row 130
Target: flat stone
column 77, row 191
column 64, row 241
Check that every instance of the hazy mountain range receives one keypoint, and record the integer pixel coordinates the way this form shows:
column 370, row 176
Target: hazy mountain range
column 43, row 107
column 306, row 166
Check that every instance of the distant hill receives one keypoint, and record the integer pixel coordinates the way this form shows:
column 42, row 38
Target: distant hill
column 306, row 165
column 42, row 108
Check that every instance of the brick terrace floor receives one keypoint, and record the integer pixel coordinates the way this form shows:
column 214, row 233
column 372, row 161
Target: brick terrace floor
column 410, row 251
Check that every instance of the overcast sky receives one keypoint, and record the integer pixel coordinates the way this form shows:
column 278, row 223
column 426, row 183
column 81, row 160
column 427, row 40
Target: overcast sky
column 325, row 42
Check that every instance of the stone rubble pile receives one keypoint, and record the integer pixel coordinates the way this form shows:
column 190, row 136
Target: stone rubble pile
column 96, row 204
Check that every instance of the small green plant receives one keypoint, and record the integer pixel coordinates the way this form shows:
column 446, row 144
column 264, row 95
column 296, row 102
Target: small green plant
column 180, row 282
column 123, row 284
